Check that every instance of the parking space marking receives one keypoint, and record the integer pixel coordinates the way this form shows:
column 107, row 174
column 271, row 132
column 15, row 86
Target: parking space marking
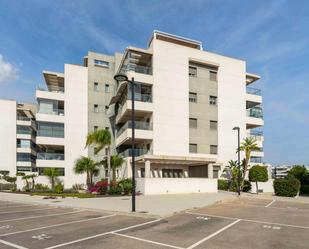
column 57, row 225
column 148, row 241
column 102, row 234
column 23, row 211
column 213, row 234
column 11, row 244
column 255, row 221
column 268, row 205
column 15, row 206
column 40, row 216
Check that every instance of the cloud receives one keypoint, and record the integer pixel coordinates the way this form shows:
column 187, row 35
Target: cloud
column 8, row 71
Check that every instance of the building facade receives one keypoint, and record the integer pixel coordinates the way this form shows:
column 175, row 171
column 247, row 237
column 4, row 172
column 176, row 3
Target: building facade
column 187, row 101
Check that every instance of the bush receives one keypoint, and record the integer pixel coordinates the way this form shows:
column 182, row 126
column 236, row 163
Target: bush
column 115, row 190
column 223, row 184
column 7, row 186
column 59, row 188
column 304, row 189
column 126, row 186
column 247, row 186
column 298, row 172
column 99, row 187
column 78, row 186
column 40, row 186
column 286, row 187
column 257, row 174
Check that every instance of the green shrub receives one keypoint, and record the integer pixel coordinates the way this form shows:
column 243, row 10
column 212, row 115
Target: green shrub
column 40, row 186
column 286, row 187
column 298, row 172
column 257, row 174
column 78, row 186
column 304, row 189
column 115, row 190
column 59, row 188
column 7, row 186
column 126, row 186
column 223, row 184
column 247, row 186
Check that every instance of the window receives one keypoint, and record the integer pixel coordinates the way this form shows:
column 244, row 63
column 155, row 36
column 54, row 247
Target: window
column 193, row 148
column 192, row 71
column 95, row 128
column 192, row 97
column 213, row 149
column 213, row 75
column 213, row 125
column 95, row 86
column 95, row 108
column 192, row 122
column 212, row 100
column 101, row 63
column 106, row 109
column 107, row 88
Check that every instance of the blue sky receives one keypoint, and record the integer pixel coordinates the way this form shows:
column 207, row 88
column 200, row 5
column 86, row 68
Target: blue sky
column 272, row 36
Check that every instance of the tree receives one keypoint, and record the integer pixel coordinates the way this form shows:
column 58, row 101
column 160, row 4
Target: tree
column 298, row 172
column 116, row 162
column 52, row 174
column 32, row 179
column 26, row 178
column 101, row 139
column 88, row 166
column 257, row 174
column 11, row 179
column 248, row 144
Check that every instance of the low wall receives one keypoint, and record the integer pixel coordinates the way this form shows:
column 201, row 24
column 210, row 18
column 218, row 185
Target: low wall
column 152, row 186
column 267, row 187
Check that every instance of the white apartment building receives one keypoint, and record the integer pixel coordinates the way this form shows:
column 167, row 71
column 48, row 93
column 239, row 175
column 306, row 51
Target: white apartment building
column 187, row 101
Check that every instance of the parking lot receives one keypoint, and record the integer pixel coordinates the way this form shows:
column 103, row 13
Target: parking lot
column 242, row 223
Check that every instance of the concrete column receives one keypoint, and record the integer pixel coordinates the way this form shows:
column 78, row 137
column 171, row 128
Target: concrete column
column 210, row 171
column 147, row 169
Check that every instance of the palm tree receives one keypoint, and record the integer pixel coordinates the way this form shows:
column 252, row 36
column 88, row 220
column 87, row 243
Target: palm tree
column 33, row 181
column 26, row 178
column 101, row 139
column 88, row 166
column 116, row 162
column 52, row 174
column 248, row 144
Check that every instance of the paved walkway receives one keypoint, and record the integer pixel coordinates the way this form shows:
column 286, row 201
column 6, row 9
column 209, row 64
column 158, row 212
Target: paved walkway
column 159, row 205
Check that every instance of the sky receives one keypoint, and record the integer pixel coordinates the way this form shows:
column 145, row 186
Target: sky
column 271, row 35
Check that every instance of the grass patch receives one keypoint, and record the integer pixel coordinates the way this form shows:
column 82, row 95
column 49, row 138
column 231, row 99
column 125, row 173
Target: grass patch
column 63, row 195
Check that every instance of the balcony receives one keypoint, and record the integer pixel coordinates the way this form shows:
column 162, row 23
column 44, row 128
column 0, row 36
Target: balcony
column 45, row 159
column 50, row 115
column 253, row 97
column 129, row 152
column 139, row 125
column 256, row 159
column 25, row 121
column 50, row 92
column 50, row 156
column 254, row 117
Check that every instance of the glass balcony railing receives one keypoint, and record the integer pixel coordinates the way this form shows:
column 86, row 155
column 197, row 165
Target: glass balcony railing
column 141, row 97
column 50, row 156
column 22, row 118
column 56, row 89
column 254, row 91
column 51, row 133
column 256, row 134
column 255, row 112
column 137, row 152
column 139, row 125
column 256, row 159
column 54, row 111
column 136, row 68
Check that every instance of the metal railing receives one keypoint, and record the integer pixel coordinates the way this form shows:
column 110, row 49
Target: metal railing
column 254, row 91
column 56, row 89
column 255, row 112
column 139, row 125
column 50, row 156
column 54, row 111
column 137, row 152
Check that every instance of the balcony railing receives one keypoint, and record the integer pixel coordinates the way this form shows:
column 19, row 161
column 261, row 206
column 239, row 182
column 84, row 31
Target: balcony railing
column 256, row 134
column 137, row 152
column 56, row 89
column 54, row 111
column 50, row 156
column 141, row 97
column 136, row 68
column 254, row 91
column 255, row 112
column 256, row 159
column 22, row 118
column 51, row 133
column 139, row 125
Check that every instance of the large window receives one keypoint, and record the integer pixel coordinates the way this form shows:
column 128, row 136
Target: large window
column 46, row 129
column 212, row 100
column 213, row 125
column 25, row 157
column 101, row 63
column 213, row 75
column 24, row 129
column 192, row 122
column 213, row 149
column 193, row 148
column 192, row 97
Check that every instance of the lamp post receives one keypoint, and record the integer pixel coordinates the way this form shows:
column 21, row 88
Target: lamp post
column 122, row 77
column 236, row 128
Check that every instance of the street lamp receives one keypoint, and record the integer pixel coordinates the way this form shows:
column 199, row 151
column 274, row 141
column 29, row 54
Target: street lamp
column 122, row 77
column 236, row 128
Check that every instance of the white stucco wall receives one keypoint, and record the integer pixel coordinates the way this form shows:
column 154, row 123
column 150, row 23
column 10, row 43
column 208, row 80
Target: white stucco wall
column 8, row 136
column 171, row 101
column 76, row 120
column 267, row 187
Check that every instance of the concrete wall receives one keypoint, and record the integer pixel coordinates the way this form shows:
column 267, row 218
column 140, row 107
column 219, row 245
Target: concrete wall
column 76, row 120
column 8, row 136
column 267, row 187
column 153, row 186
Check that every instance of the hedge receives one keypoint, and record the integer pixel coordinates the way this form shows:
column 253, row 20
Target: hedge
column 286, row 187
column 223, row 185
column 304, row 189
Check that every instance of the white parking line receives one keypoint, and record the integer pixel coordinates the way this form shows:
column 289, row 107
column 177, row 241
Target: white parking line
column 148, row 241
column 101, row 234
column 40, row 216
column 11, row 244
column 57, row 225
column 255, row 221
column 268, row 205
column 15, row 206
column 24, row 211
column 213, row 234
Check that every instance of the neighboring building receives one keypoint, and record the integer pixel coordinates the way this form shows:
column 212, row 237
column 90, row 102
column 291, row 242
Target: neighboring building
column 187, row 102
column 280, row 171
